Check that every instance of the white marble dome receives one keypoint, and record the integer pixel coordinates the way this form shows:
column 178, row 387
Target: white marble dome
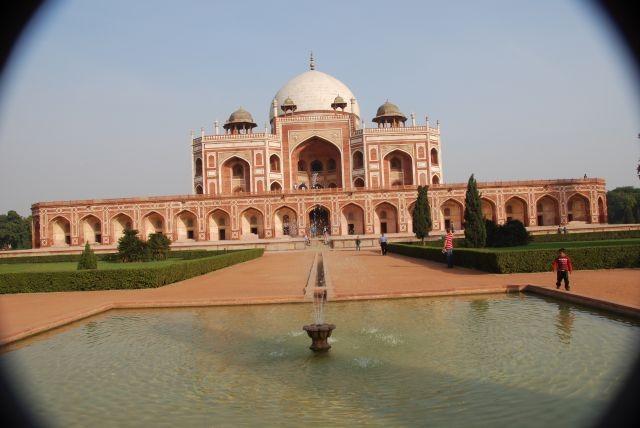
column 314, row 90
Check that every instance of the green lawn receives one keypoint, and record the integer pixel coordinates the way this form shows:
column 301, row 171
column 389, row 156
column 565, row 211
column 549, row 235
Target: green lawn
column 70, row 266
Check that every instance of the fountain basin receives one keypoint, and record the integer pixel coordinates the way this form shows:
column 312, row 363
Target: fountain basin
column 319, row 334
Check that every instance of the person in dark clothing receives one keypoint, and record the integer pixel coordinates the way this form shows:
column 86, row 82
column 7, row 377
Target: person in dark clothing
column 357, row 243
column 562, row 265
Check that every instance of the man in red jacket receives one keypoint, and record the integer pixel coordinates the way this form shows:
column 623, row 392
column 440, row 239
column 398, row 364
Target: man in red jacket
column 562, row 265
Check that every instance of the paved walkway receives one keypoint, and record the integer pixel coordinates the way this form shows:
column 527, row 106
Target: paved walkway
column 281, row 277
column 358, row 274
column 273, row 278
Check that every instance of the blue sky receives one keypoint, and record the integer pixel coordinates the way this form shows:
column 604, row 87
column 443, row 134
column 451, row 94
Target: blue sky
column 100, row 97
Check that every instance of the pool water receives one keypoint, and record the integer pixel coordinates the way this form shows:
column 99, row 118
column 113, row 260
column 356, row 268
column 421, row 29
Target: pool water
column 500, row 360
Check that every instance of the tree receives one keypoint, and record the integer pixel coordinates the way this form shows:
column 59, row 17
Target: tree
column 131, row 248
column 88, row 259
column 475, row 233
column 159, row 246
column 421, row 215
column 623, row 205
column 15, row 231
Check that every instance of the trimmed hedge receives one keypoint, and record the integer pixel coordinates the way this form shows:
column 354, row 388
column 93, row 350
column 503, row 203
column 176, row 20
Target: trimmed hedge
column 108, row 257
column 119, row 279
column 587, row 236
column 536, row 260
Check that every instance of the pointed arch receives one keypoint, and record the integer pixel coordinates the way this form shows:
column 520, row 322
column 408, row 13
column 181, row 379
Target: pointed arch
column 358, row 182
column 489, row 211
column 547, row 210
column 358, row 159
column 274, row 163
column 516, row 208
column 352, row 219
column 119, row 223
column 90, row 229
column 285, row 221
column 385, row 218
column 397, row 168
column 219, row 224
column 60, row 231
column 275, row 187
column 452, row 214
column 152, row 222
column 198, row 167
column 312, row 156
column 252, row 223
column 578, row 208
column 235, row 175
column 602, row 210
column 186, row 225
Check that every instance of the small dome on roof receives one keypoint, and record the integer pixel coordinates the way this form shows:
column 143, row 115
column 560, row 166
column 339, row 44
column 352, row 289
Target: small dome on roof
column 240, row 116
column 339, row 100
column 288, row 102
column 389, row 109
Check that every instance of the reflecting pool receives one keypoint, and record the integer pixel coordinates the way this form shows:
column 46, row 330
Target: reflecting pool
column 494, row 360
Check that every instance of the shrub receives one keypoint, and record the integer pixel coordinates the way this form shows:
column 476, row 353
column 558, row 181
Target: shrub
column 88, row 259
column 131, row 248
column 146, row 277
column 510, row 234
column 537, row 260
column 158, row 246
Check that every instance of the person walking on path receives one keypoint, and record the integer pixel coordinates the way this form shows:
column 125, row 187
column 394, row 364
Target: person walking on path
column 357, row 243
column 383, row 244
column 562, row 265
column 448, row 248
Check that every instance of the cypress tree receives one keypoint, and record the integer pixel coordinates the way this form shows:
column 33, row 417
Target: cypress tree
column 475, row 232
column 88, row 259
column 421, row 215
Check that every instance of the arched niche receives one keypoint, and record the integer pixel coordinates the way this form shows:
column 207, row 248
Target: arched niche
column 285, row 221
column 186, row 224
column 385, row 219
column 352, row 220
column 219, row 225
column 90, row 230
column 398, row 169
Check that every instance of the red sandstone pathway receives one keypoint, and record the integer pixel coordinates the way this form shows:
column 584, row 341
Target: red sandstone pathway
column 358, row 274
column 281, row 277
column 273, row 278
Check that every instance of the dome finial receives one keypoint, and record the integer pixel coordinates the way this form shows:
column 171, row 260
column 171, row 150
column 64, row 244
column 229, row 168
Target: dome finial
column 312, row 64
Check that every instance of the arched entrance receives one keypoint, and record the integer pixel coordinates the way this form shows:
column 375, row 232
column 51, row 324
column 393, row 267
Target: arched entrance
column 578, row 209
column 152, row 223
column 385, row 219
column 119, row 224
column 285, row 222
column 319, row 221
column 252, row 222
column 186, row 226
column 276, row 187
column 90, row 230
column 236, row 176
column 219, row 226
column 398, row 169
column 318, row 164
column 547, row 211
column 352, row 220
column 516, row 209
column 60, row 231
column 488, row 209
column 451, row 212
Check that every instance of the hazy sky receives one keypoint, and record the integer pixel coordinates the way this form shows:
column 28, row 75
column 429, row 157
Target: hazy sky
column 101, row 96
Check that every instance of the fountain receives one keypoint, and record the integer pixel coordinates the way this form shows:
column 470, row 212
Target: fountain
column 319, row 331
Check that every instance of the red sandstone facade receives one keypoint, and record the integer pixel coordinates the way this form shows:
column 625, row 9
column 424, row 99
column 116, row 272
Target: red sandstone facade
column 315, row 162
